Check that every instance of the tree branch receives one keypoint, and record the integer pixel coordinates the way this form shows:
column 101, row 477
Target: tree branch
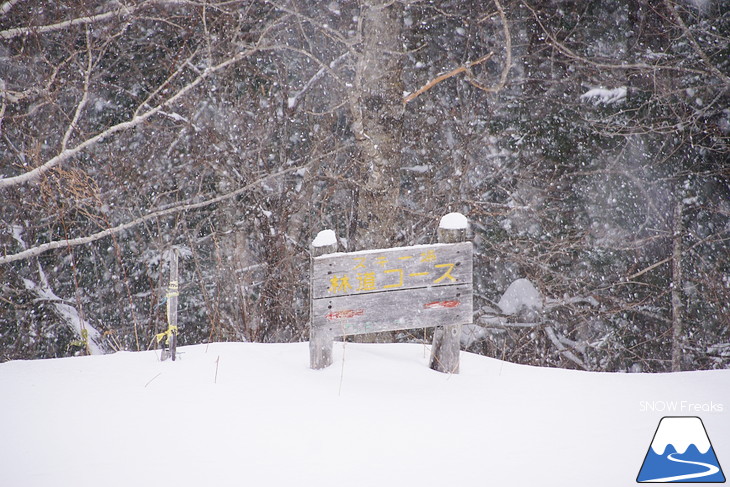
column 5, row 7
column 508, row 57
column 67, row 153
column 442, row 77
column 3, row 103
column 678, row 19
column 64, row 243
column 569, row 53
column 664, row 261
column 42, row 29
column 562, row 349
column 84, row 97
column 292, row 101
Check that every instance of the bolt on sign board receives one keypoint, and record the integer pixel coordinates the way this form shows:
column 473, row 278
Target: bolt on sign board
column 392, row 289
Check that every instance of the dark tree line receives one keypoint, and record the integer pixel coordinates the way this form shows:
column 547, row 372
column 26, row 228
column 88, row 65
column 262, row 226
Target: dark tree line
column 587, row 143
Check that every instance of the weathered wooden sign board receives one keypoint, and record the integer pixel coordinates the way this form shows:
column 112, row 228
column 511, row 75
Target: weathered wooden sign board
column 392, row 289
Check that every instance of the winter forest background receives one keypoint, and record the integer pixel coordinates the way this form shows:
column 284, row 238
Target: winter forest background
column 588, row 143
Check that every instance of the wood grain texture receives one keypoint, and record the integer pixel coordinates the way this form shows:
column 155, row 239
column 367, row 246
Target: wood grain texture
column 320, row 342
column 395, row 310
column 375, row 271
column 446, row 346
column 402, row 288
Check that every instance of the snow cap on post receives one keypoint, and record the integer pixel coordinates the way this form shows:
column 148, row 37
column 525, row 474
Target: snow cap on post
column 453, row 228
column 324, row 243
column 454, row 221
column 445, row 349
column 325, row 238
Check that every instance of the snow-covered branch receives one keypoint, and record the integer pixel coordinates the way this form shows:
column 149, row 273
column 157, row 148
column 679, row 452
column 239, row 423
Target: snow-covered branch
column 293, row 100
column 564, row 351
column 89, row 335
column 67, row 153
column 125, row 10
column 6, row 6
column 42, row 29
column 65, row 243
column 84, row 97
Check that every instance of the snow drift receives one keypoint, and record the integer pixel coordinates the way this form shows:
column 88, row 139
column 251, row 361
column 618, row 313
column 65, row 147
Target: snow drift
column 255, row 414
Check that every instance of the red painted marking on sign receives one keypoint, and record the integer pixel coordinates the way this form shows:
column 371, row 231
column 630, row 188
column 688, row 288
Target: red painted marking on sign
column 442, row 304
column 348, row 313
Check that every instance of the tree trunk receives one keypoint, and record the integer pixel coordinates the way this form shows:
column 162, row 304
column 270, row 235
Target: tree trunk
column 377, row 109
column 376, row 105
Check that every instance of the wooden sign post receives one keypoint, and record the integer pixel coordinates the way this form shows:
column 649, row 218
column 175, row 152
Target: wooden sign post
column 447, row 337
column 391, row 289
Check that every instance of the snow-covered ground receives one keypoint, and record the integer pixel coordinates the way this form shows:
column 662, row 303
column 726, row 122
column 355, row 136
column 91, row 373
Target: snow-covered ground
column 256, row 415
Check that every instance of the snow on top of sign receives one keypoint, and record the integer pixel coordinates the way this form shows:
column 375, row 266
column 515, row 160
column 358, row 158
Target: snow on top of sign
column 412, row 248
column 453, row 221
column 325, row 238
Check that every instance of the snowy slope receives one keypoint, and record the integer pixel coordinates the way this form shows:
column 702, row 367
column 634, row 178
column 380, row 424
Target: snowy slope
column 255, row 415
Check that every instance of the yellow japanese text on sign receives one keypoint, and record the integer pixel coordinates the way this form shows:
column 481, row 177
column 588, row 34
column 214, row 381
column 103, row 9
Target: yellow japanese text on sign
column 383, row 272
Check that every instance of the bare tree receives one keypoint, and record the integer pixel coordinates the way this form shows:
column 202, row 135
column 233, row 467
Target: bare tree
column 568, row 132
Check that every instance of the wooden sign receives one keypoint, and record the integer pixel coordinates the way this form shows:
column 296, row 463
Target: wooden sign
column 392, row 289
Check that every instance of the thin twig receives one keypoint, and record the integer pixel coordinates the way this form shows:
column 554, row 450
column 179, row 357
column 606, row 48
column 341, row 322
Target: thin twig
column 573, row 55
column 508, row 56
column 702, row 54
column 150, row 381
